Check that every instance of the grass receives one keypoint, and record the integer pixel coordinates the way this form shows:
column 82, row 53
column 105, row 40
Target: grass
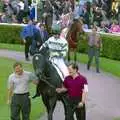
column 107, row 65
column 6, row 69
column 15, row 47
column 117, row 119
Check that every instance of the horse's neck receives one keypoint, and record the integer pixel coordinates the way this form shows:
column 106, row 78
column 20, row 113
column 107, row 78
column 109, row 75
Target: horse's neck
column 53, row 75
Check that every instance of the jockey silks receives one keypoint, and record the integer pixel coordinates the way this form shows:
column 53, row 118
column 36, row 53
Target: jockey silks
column 58, row 48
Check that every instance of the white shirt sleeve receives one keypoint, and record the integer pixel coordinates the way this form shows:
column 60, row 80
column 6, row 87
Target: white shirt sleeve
column 86, row 88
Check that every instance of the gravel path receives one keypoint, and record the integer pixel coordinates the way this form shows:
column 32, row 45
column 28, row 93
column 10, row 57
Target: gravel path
column 104, row 92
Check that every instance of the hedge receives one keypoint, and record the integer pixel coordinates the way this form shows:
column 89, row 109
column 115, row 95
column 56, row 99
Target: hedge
column 110, row 44
column 10, row 34
column 111, row 47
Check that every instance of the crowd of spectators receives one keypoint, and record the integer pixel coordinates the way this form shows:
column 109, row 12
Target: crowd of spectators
column 93, row 14
column 16, row 11
column 90, row 12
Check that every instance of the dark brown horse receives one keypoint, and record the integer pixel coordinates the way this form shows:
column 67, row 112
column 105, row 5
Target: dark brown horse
column 73, row 36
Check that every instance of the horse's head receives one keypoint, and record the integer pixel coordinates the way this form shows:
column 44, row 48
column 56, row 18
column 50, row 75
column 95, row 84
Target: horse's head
column 39, row 64
column 40, row 61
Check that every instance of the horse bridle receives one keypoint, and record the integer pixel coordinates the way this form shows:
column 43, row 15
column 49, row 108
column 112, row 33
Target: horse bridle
column 44, row 78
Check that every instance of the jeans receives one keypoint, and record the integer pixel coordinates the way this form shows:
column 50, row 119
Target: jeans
column 93, row 51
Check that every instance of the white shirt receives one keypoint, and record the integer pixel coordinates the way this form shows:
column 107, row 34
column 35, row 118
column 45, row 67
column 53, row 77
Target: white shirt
column 20, row 83
column 21, row 4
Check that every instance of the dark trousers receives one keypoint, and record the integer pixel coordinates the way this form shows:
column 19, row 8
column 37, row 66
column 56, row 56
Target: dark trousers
column 27, row 45
column 72, row 108
column 93, row 51
column 20, row 103
column 20, row 16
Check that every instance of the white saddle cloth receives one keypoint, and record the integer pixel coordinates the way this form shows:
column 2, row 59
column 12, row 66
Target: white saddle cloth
column 60, row 66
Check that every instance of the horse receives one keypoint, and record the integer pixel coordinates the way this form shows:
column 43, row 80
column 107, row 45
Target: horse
column 72, row 37
column 49, row 80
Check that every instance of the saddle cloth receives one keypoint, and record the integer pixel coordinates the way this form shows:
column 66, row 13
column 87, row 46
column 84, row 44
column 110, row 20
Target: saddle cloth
column 59, row 71
column 60, row 67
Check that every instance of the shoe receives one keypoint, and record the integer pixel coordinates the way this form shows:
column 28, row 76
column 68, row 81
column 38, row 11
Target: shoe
column 97, row 71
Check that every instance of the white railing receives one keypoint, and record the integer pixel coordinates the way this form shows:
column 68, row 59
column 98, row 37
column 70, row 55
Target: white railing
column 112, row 34
column 12, row 24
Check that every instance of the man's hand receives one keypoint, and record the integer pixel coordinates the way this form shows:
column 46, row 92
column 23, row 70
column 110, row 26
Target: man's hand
column 58, row 90
column 80, row 104
column 61, row 90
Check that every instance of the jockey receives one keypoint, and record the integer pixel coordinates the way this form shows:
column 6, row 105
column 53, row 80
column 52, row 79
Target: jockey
column 58, row 48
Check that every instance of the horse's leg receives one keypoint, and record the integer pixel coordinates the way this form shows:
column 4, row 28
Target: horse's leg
column 67, row 109
column 75, row 55
column 50, row 103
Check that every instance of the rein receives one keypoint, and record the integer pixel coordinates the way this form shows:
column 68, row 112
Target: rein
column 48, row 83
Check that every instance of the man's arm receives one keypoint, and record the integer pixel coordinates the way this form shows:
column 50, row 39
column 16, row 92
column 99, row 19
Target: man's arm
column 33, row 78
column 61, row 90
column 84, row 96
column 10, row 93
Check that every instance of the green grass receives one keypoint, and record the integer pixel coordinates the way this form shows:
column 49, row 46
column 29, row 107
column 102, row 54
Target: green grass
column 6, row 69
column 16, row 47
column 117, row 119
column 106, row 65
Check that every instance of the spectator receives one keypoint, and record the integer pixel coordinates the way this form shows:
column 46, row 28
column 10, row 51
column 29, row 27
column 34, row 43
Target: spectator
column 27, row 35
column 114, row 27
column 86, row 18
column 76, row 87
column 94, row 44
column 14, row 20
column 98, row 16
column 103, row 27
column 43, row 33
column 21, row 12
